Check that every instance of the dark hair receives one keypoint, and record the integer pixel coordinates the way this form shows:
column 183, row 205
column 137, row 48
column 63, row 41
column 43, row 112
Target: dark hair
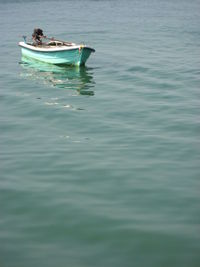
column 37, row 32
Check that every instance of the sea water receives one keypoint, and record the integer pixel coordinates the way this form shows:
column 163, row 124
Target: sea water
column 99, row 166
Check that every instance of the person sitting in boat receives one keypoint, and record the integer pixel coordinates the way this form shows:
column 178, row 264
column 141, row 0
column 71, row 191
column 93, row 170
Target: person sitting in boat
column 37, row 36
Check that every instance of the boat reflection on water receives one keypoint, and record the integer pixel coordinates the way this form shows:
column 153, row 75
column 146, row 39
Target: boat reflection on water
column 64, row 77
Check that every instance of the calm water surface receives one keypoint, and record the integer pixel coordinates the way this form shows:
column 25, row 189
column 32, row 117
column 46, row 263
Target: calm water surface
column 99, row 166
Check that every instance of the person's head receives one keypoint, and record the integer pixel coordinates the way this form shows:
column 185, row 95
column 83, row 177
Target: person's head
column 38, row 31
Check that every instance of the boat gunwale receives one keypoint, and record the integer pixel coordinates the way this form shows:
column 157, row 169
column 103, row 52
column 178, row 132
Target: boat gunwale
column 54, row 49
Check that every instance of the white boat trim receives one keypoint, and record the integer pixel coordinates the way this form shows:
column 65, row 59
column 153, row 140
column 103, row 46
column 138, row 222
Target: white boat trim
column 53, row 48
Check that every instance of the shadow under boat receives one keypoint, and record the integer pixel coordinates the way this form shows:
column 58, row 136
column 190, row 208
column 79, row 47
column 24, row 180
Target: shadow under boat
column 63, row 77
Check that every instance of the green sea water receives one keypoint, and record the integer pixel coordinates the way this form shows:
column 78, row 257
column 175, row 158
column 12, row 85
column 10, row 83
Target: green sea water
column 99, row 165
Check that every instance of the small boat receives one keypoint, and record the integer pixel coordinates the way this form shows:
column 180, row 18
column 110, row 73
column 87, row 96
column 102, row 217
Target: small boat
column 57, row 52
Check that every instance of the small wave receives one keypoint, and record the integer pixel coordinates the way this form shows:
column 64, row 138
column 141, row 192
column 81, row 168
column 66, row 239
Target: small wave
column 138, row 69
column 51, row 103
